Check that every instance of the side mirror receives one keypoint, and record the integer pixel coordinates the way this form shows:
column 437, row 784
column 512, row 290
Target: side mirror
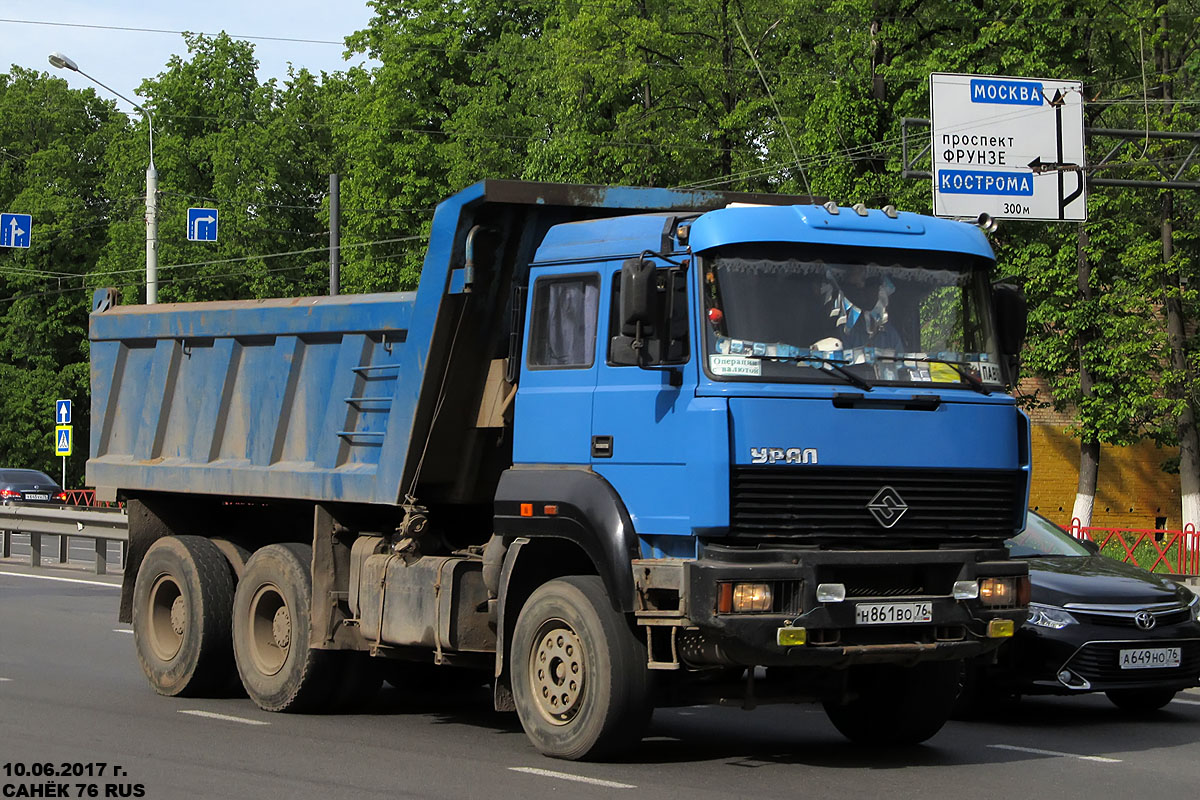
column 1091, row 546
column 639, row 299
column 1012, row 315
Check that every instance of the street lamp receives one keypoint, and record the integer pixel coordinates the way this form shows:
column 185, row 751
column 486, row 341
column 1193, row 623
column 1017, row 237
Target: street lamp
column 62, row 62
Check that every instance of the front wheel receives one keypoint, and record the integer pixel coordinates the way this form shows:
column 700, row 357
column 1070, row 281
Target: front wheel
column 895, row 705
column 1140, row 701
column 580, row 681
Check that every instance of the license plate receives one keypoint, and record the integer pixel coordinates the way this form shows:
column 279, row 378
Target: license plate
column 1150, row 658
column 37, row 497
column 892, row 613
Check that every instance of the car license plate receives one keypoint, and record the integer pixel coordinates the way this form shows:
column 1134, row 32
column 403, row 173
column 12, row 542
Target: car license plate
column 1150, row 658
column 892, row 613
column 37, row 497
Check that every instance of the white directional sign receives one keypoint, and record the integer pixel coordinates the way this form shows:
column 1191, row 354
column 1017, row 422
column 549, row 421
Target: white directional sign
column 62, row 440
column 15, row 230
column 62, row 412
column 202, row 225
column 1008, row 147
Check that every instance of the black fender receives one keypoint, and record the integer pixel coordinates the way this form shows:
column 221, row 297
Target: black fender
column 589, row 512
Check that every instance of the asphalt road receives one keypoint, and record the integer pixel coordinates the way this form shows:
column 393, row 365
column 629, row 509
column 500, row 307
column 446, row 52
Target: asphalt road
column 71, row 693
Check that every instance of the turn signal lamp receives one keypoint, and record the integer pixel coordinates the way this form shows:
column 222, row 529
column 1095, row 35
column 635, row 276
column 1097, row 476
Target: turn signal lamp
column 1000, row 628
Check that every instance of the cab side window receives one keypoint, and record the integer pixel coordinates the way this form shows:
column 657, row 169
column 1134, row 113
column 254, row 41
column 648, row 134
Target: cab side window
column 563, row 325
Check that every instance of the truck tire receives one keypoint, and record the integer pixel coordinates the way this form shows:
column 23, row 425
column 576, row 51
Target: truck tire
column 1140, row 701
column 579, row 675
column 271, row 613
column 897, row 706
column 182, row 601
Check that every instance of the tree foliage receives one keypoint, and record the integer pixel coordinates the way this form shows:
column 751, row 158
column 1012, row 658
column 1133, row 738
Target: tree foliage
column 783, row 96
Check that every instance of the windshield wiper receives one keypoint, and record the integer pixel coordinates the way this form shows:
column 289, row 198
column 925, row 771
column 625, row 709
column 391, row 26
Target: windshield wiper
column 968, row 378
column 838, row 367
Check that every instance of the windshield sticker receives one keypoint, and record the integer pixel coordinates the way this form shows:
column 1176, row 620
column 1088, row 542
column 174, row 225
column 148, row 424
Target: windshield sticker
column 735, row 366
column 943, row 373
column 988, row 372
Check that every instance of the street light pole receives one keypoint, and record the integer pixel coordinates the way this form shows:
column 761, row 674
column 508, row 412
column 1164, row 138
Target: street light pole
column 62, row 62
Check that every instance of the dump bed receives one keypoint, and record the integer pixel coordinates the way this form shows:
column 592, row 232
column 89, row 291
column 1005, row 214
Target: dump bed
column 337, row 399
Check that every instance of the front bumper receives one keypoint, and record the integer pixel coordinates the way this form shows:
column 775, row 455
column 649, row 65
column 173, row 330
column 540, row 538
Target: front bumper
column 958, row 629
column 1090, row 655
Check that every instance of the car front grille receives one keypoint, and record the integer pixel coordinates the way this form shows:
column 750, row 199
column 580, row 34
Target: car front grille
column 831, row 505
column 1099, row 662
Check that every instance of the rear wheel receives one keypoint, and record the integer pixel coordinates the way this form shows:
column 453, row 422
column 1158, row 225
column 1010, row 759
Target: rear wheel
column 182, row 601
column 580, row 681
column 271, row 613
column 895, row 705
column 1140, row 701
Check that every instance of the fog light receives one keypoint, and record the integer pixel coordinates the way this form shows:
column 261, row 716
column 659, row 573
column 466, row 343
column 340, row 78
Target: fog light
column 751, row 597
column 966, row 590
column 998, row 592
column 791, row 637
column 1065, row 676
column 831, row 592
column 1000, row 628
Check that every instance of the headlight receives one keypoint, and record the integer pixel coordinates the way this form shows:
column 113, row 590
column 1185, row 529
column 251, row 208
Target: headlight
column 1012, row 591
column 1195, row 607
column 1049, row 617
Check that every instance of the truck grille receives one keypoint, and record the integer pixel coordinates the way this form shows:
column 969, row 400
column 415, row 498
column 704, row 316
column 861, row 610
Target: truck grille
column 831, row 505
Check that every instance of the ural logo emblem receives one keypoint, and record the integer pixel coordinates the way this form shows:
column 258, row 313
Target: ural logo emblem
column 887, row 507
column 1145, row 620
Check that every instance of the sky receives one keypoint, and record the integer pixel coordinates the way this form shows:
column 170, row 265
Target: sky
column 97, row 35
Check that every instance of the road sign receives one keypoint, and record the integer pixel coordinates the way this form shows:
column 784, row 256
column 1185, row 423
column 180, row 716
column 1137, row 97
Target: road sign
column 1008, row 147
column 62, row 440
column 202, row 225
column 15, row 230
column 62, row 412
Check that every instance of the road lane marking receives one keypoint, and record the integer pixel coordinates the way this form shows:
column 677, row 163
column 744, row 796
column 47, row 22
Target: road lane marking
column 64, row 580
column 5, row 680
column 224, row 717
column 122, row 630
column 1037, row 752
column 566, row 776
column 1187, row 702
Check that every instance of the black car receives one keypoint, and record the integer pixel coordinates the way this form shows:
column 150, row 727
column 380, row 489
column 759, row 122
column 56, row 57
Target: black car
column 29, row 486
column 1095, row 625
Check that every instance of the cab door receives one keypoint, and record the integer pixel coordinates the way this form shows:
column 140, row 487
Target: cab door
column 553, row 413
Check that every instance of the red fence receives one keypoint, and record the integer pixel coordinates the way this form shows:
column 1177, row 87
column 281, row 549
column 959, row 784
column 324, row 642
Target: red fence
column 85, row 497
column 1176, row 552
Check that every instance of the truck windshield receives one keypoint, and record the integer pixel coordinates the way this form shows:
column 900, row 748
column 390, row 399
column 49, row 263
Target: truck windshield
column 848, row 314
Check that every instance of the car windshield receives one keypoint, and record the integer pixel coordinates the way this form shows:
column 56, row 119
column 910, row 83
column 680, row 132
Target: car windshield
column 814, row 313
column 1042, row 537
column 25, row 476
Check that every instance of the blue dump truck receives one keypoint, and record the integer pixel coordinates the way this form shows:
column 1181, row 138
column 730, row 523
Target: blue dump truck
column 622, row 448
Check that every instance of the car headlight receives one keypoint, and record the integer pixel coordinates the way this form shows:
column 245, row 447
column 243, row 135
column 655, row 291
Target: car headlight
column 1195, row 607
column 1049, row 617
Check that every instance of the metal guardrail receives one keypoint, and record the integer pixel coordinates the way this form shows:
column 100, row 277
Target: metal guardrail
column 102, row 525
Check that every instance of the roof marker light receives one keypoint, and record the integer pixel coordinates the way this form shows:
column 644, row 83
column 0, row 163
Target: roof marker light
column 860, row 209
column 891, row 211
column 831, row 207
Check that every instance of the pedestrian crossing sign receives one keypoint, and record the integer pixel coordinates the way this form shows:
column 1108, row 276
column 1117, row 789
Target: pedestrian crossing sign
column 62, row 440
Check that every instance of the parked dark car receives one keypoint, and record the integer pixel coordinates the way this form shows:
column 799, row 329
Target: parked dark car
column 29, row 486
column 1095, row 625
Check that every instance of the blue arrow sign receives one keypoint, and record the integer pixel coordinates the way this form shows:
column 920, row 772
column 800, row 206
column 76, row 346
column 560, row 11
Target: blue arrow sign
column 202, row 225
column 15, row 230
column 62, row 412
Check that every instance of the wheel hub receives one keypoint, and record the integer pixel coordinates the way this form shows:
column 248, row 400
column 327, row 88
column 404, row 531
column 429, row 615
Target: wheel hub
column 557, row 673
column 281, row 627
column 178, row 615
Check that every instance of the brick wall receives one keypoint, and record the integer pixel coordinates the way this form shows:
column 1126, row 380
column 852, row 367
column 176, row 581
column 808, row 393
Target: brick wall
column 1132, row 490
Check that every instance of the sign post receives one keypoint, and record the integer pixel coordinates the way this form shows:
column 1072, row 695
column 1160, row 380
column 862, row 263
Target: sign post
column 1011, row 148
column 62, row 434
